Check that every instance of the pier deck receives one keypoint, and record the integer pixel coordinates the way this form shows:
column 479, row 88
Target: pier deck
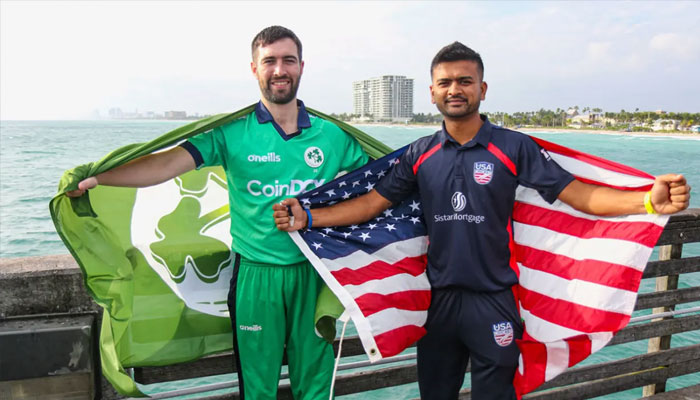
column 49, row 291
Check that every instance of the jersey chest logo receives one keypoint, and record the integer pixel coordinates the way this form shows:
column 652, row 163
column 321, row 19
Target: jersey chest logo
column 483, row 172
column 503, row 333
column 313, row 157
column 459, row 201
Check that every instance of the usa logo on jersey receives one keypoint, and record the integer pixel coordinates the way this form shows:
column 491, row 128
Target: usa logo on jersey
column 503, row 333
column 483, row 172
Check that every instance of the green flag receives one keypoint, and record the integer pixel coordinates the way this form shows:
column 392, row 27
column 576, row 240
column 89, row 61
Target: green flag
column 158, row 259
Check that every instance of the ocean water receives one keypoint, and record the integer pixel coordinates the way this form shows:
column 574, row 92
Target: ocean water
column 34, row 154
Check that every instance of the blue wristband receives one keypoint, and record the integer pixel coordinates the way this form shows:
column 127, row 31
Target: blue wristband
column 309, row 219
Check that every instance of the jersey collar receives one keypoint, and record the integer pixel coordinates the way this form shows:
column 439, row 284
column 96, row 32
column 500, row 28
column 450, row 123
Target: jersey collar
column 303, row 121
column 483, row 136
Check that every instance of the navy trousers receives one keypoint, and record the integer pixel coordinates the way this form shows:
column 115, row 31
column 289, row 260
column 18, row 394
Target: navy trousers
column 462, row 326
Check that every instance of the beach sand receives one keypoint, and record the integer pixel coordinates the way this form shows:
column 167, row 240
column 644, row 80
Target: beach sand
column 679, row 134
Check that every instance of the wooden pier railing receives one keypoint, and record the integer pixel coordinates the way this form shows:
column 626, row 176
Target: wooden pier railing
column 669, row 352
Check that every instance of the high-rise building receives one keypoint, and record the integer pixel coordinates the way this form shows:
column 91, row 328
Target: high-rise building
column 385, row 98
column 175, row 114
column 116, row 113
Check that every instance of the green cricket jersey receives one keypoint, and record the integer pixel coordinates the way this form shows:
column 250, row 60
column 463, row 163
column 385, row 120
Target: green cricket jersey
column 264, row 166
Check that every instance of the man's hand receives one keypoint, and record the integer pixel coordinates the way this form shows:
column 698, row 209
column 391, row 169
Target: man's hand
column 670, row 194
column 282, row 219
column 83, row 186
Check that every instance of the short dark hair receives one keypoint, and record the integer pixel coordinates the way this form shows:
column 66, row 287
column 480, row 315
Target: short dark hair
column 272, row 34
column 457, row 52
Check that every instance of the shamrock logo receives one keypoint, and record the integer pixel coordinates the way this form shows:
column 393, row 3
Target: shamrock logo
column 181, row 227
column 313, row 157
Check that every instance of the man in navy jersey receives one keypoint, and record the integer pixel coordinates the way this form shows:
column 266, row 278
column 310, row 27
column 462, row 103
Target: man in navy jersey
column 466, row 175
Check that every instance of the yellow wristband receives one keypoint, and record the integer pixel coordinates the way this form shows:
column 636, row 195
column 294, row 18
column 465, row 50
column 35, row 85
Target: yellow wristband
column 647, row 203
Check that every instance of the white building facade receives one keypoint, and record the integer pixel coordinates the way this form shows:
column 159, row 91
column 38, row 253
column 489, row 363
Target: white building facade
column 385, row 98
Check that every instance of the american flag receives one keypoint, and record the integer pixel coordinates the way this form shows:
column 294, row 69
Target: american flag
column 376, row 269
column 578, row 274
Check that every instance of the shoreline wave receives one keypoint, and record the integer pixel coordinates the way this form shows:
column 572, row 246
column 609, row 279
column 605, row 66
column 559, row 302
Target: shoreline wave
column 675, row 135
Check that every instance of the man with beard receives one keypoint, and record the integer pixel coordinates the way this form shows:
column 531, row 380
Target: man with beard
column 277, row 151
column 472, row 168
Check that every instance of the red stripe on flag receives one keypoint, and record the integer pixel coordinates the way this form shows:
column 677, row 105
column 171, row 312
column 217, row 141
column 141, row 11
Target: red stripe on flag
column 380, row 270
column 511, row 247
column 534, row 355
column 425, row 156
column 627, row 188
column 513, row 261
column 503, row 157
column 579, row 349
column 645, row 233
column 591, row 159
column 393, row 342
column 602, row 273
column 412, row 300
column 571, row 315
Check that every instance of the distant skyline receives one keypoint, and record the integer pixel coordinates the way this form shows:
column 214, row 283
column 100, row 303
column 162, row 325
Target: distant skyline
column 64, row 60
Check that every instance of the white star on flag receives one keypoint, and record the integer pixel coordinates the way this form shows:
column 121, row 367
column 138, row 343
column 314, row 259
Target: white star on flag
column 388, row 250
column 389, row 267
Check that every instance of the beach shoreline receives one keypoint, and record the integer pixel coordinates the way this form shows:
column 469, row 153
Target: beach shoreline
column 678, row 134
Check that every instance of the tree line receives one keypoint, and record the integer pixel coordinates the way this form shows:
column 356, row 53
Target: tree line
column 597, row 118
column 638, row 120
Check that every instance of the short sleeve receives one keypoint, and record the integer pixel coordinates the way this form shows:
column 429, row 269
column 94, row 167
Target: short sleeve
column 537, row 170
column 210, row 145
column 355, row 157
column 401, row 181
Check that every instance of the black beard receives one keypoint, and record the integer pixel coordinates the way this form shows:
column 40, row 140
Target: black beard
column 282, row 98
column 459, row 114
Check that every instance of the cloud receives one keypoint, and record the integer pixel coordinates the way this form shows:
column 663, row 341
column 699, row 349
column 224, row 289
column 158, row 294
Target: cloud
column 599, row 51
column 67, row 58
column 675, row 45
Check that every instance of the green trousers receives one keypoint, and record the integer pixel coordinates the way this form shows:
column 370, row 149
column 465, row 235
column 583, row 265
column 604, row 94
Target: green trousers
column 272, row 308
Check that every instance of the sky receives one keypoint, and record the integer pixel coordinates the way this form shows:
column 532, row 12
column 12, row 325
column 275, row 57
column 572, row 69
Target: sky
column 66, row 60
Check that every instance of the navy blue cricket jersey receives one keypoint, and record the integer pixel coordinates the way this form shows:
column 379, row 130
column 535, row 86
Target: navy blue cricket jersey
column 468, row 193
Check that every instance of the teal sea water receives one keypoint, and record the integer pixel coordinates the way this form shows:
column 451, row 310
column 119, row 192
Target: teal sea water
column 34, row 154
